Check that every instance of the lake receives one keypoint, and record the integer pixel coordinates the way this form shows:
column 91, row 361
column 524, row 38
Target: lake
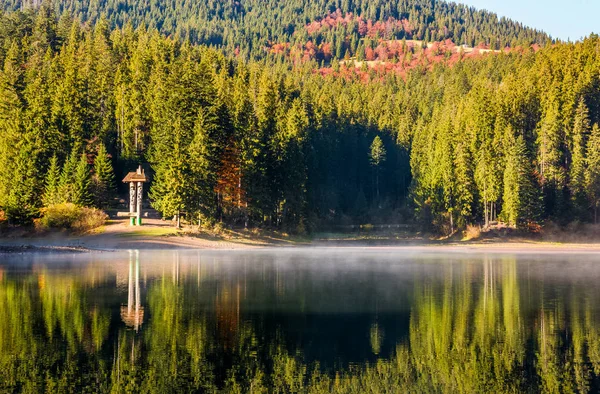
column 299, row 320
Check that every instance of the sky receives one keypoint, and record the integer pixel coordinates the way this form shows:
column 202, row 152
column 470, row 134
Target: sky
column 571, row 19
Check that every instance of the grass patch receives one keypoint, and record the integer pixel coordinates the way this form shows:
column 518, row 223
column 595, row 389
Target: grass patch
column 97, row 230
column 150, row 232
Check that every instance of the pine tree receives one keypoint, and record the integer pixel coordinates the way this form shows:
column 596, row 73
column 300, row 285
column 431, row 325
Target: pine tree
column 23, row 201
column 70, row 104
column 511, row 203
column 377, row 157
column 51, row 191
column 170, row 190
column 592, row 171
column 360, row 51
column 104, row 179
column 102, row 83
column 264, row 180
column 66, row 183
column 294, row 184
column 81, row 183
column 550, row 140
column 12, row 143
column 39, row 94
column 521, row 197
column 202, row 167
column 465, row 185
column 44, row 31
column 488, row 177
column 339, row 48
column 579, row 135
column 230, row 193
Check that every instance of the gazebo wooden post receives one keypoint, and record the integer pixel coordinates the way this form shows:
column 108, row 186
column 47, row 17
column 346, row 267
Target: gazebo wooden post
column 136, row 181
column 140, row 193
column 132, row 203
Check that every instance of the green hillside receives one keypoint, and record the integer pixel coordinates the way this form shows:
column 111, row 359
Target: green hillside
column 508, row 136
column 249, row 26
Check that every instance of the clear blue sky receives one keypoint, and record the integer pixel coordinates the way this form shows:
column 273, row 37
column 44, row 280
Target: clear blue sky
column 571, row 19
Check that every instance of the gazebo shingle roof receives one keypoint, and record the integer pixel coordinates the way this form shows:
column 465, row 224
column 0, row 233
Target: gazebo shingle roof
column 136, row 176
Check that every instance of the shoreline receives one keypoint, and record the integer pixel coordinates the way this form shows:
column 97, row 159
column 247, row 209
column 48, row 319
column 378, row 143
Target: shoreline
column 117, row 235
column 453, row 248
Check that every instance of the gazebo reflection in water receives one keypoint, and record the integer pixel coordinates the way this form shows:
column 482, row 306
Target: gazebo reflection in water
column 132, row 314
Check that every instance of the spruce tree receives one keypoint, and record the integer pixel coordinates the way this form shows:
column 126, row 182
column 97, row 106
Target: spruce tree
column 511, row 202
column 81, row 183
column 170, row 190
column 70, row 105
column 488, row 176
column 550, row 140
column 265, row 181
column 12, row 142
column 23, row 200
column 66, row 183
column 104, row 179
column 51, row 190
column 579, row 135
column 521, row 199
column 465, row 185
column 377, row 157
column 203, row 169
column 592, row 171
column 294, row 184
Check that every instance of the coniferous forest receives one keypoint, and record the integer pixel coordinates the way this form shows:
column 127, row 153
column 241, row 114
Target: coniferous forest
column 247, row 27
column 231, row 130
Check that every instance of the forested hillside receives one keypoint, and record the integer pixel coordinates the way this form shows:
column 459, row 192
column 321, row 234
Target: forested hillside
column 338, row 28
column 509, row 135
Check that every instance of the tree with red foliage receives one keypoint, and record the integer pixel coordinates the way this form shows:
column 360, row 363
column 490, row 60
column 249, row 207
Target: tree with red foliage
column 231, row 196
column 326, row 51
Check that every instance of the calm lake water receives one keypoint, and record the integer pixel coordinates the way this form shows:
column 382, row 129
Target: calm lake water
column 322, row 320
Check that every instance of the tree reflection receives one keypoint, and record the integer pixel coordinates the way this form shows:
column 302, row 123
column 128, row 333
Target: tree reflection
column 469, row 331
column 469, row 339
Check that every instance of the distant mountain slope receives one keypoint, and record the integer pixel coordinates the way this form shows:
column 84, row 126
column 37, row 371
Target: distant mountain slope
column 250, row 26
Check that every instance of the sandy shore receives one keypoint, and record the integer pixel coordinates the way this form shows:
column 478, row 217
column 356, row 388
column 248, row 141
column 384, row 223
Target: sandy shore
column 156, row 234
column 118, row 235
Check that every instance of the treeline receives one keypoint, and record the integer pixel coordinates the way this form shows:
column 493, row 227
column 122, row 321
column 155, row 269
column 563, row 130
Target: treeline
column 505, row 136
column 514, row 138
column 249, row 26
column 243, row 143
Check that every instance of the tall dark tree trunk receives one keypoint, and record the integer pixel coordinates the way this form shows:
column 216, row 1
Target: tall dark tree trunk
column 377, row 186
column 485, row 214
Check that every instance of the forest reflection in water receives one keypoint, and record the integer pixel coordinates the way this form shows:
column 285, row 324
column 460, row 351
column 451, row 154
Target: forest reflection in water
column 299, row 321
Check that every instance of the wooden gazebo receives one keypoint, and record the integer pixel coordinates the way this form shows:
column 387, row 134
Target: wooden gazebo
column 136, row 180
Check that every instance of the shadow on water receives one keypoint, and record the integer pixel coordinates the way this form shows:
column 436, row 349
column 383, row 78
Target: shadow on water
column 299, row 321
